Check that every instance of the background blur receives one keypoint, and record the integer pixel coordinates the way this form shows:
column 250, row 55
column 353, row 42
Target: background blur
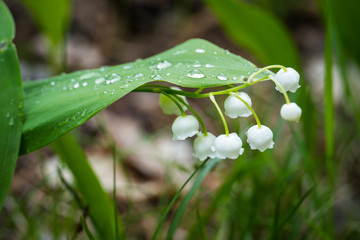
column 238, row 200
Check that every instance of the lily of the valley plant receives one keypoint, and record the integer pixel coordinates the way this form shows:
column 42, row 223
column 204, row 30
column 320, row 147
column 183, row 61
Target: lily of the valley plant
column 237, row 104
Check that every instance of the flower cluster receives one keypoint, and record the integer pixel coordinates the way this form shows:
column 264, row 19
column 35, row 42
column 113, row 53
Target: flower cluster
column 237, row 104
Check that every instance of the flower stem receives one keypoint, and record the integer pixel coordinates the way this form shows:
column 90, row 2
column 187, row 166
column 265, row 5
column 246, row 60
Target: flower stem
column 199, row 90
column 252, row 76
column 194, row 112
column 282, row 89
column 212, row 98
column 194, row 94
column 250, row 108
column 175, row 100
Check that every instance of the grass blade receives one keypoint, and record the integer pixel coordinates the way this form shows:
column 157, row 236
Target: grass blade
column 11, row 102
column 101, row 210
column 182, row 208
column 291, row 214
column 329, row 115
column 200, row 223
column 163, row 217
column 86, row 229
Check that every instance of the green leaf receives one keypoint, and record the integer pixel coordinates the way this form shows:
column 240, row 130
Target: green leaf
column 11, row 102
column 57, row 105
column 257, row 30
column 101, row 210
column 51, row 16
column 7, row 25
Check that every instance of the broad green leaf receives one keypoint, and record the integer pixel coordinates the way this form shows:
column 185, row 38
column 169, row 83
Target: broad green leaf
column 51, row 16
column 11, row 102
column 257, row 30
column 56, row 105
column 101, row 210
column 7, row 25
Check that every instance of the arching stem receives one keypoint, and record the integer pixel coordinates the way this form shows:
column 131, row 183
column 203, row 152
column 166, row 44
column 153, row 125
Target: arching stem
column 175, row 101
column 212, row 98
column 252, row 76
column 282, row 89
column 250, row 108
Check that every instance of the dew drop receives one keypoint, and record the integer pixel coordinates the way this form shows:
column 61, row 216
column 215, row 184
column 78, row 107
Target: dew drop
column 179, row 52
column 164, row 64
column 208, row 65
column 11, row 121
column 99, row 80
column 124, row 86
column 139, row 75
column 168, row 74
column 76, row 85
column 156, row 77
column 84, row 84
column 83, row 113
column 222, row 77
column 89, row 75
column 52, row 83
column 200, row 50
column 195, row 74
column 7, row 114
column 127, row 67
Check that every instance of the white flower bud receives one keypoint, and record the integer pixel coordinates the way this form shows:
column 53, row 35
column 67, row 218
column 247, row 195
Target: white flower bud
column 291, row 112
column 184, row 127
column 168, row 106
column 234, row 107
column 228, row 146
column 260, row 138
column 289, row 80
column 204, row 146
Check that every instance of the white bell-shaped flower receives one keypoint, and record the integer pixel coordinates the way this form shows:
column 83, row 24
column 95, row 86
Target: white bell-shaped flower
column 168, row 106
column 260, row 138
column 184, row 127
column 291, row 112
column 204, row 146
column 289, row 80
column 234, row 107
column 228, row 146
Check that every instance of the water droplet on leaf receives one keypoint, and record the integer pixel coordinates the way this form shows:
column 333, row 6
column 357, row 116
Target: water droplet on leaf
column 88, row 75
column 222, row 77
column 195, row 74
column 99, row 80
column 164, row 64
column 139, row 75
column 200, row 50
column 11, row 121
